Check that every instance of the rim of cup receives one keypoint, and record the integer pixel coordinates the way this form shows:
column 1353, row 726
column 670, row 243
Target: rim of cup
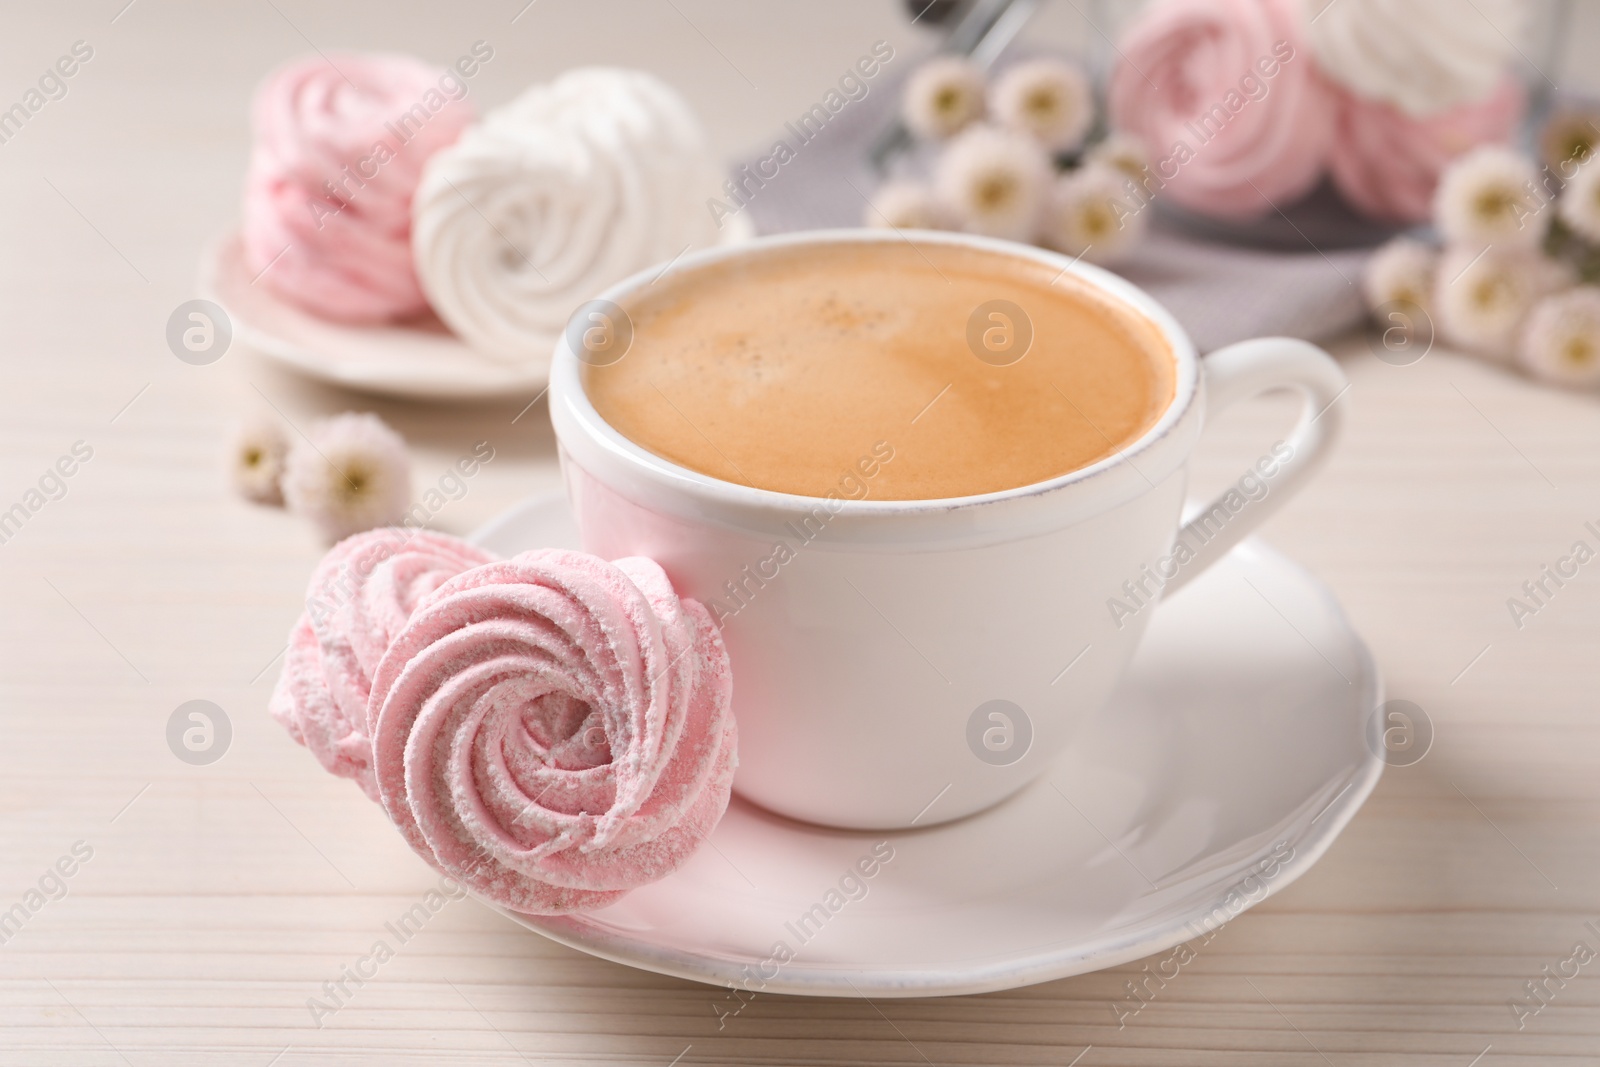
column 567, row 393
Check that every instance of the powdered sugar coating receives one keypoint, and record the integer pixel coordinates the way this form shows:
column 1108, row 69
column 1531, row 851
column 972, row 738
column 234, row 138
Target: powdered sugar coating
column 555, row 730
column 360, row 596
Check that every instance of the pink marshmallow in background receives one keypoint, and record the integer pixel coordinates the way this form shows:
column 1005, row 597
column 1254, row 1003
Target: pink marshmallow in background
column 338, row 153
column 360, row 596
column 1235, row 84
column 555, row 730
column 1387, row 163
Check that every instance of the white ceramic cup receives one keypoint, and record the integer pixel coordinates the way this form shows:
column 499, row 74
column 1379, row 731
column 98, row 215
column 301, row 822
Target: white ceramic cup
column 908, row 662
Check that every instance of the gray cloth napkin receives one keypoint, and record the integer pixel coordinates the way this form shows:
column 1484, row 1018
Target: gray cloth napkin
column 1292, row 273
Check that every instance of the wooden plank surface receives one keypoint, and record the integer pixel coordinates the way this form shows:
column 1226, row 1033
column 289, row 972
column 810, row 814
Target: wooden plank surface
column 218, row 900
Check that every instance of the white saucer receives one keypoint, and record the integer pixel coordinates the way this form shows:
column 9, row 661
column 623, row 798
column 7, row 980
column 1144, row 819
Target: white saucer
column 1227, row 762
column 420, row 359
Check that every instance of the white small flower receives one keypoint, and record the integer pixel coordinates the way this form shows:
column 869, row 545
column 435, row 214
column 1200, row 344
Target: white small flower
column 1092, row 212
column 902, row 205
column 1489, row 196
column 1482, row 296
column 1402, row 271
column 351, row 474
column 1125, row 152
column 943, row 97
column 995, row 181
column 1569, row 137
column 1561, row 343
column 1047, row 98
column 255, row 460
column 1580, row 202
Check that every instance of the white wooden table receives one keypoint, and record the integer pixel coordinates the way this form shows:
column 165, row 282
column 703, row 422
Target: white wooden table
column 217, row 900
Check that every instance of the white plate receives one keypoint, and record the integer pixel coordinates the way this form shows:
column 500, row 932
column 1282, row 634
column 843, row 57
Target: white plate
column 420, row 359
column 1224, row 766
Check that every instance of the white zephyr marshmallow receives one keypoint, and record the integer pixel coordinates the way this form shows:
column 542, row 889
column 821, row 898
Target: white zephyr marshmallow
column 557, row 195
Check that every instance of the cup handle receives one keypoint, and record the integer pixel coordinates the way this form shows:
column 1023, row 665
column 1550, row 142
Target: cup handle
column 1247, row 369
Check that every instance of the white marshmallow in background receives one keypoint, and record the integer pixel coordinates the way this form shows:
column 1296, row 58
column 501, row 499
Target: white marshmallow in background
column 1423, row 56
column 552, row 198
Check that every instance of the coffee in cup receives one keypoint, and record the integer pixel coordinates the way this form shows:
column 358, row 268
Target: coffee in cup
column 982, row 371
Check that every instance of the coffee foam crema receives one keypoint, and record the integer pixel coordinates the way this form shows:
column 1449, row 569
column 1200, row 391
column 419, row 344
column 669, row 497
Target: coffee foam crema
column 974, row 371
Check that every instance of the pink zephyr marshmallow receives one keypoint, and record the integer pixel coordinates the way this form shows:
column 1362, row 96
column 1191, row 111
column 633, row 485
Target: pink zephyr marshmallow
column 339, row 148
column 1227, row 97
column 555, row 730
column 360, row 596
column 1387, row 163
